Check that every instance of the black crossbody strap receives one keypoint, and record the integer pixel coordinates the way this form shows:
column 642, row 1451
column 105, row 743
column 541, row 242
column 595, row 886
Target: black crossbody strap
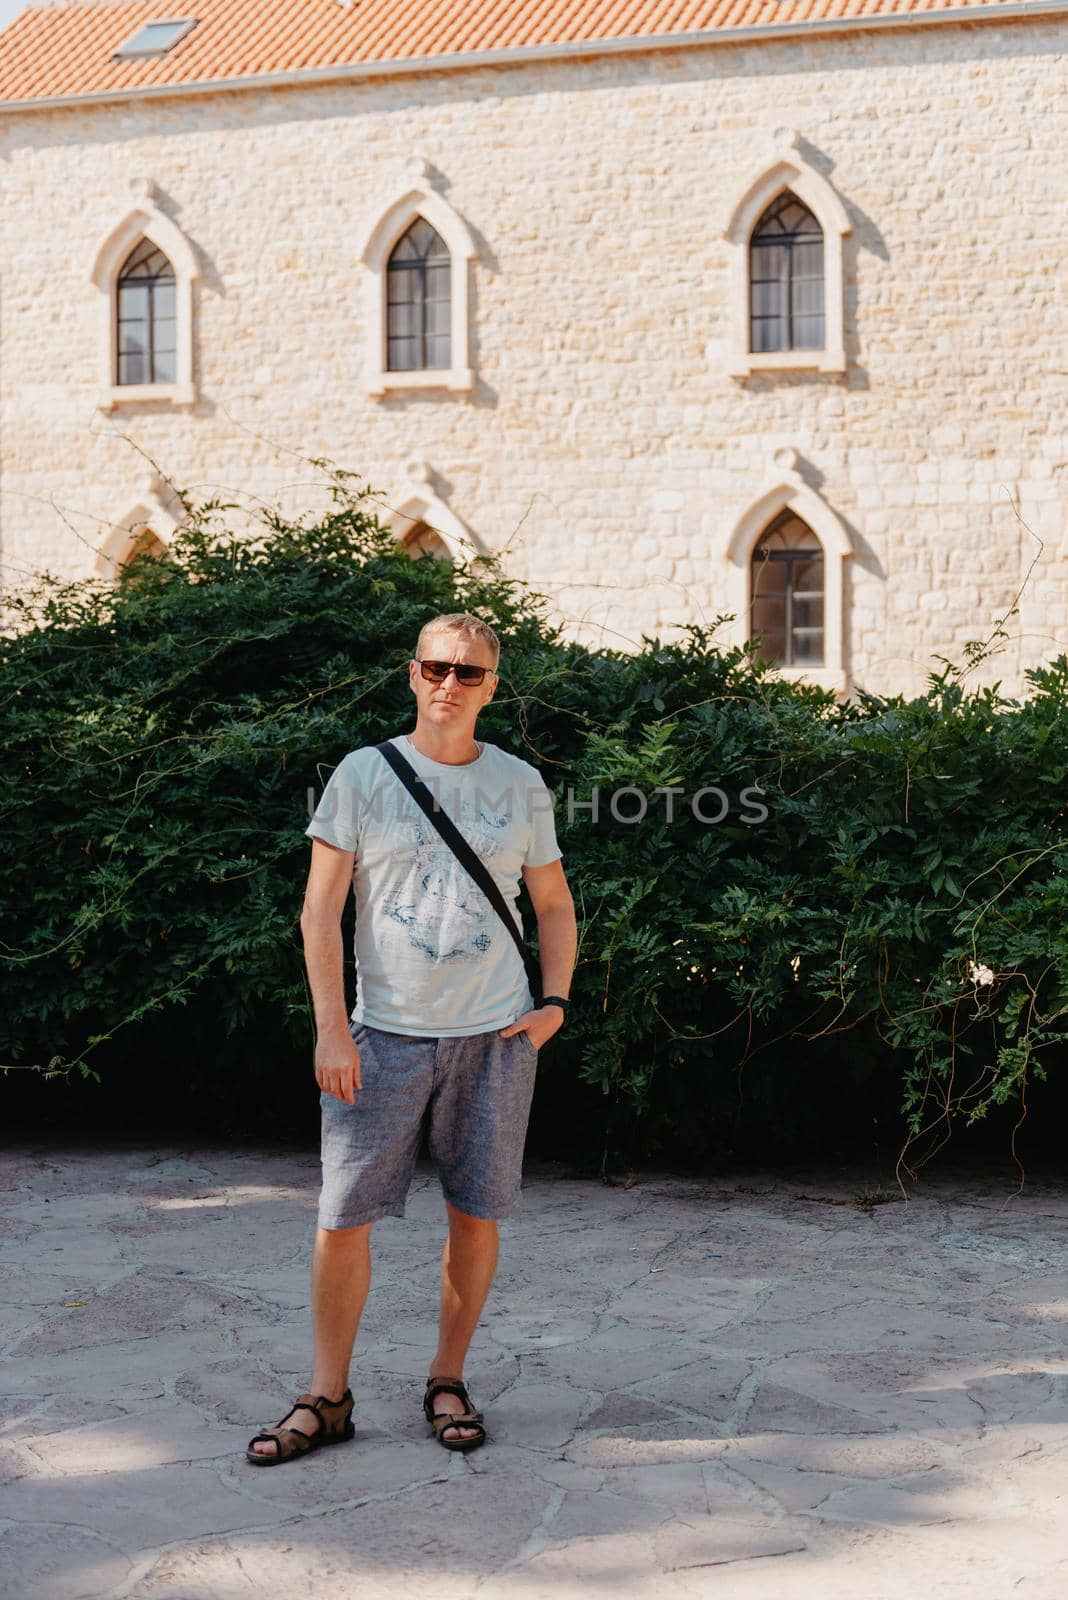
column 463, row 853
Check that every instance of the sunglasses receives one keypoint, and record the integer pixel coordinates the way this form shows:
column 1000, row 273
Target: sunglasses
column 438, row 671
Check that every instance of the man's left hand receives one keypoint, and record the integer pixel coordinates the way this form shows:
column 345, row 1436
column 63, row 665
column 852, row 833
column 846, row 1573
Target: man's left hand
column 538, row 1025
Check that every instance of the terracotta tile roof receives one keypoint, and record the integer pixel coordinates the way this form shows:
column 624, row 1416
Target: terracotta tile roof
column 66, row 47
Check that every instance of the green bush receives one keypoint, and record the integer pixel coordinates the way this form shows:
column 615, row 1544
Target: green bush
column 893, row 931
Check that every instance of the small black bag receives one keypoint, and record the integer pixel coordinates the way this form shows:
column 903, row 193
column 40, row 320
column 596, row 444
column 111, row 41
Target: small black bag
column 463, row 853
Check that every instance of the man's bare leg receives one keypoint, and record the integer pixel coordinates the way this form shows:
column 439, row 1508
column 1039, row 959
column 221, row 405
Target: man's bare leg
column 468, row 1263
column 341, row 1277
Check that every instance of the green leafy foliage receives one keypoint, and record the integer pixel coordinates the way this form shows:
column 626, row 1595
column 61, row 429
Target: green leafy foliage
column 771, row 887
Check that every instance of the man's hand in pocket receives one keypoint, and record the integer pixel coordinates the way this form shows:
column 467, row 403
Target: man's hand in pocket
column 337, row 1065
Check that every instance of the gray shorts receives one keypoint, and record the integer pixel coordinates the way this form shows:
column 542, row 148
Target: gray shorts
column 473, row 1094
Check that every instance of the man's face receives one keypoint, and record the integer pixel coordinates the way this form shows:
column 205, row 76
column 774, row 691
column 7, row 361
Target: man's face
column 451, row 705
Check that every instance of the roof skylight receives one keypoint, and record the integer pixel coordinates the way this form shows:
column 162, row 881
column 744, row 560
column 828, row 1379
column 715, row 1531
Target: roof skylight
column 155, row 38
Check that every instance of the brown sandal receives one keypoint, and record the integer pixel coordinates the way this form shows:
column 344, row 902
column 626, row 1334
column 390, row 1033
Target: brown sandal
column 442, row 1420
column 290, row 1442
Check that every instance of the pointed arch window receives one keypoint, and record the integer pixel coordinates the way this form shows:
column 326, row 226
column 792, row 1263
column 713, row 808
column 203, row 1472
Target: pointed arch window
column 786, row 278
column 146, row 317
column 423, row 524
column 787, row 593
column 145, row 527
column 787, row 556
column 417, row 257
column 787, row 237
column 146, row 271
column 426, row 541
column 142, row 543
column 419, row 296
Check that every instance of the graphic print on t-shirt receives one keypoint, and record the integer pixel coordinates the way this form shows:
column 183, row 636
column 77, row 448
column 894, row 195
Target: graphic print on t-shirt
column 444, row 913
column 432, row 958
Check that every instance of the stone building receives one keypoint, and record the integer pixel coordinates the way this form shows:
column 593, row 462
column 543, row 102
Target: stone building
column 688, row 307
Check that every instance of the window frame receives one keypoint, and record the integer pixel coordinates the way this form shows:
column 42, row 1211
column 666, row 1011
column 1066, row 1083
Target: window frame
column 146, row 221
column 421, row 267
column 787, row 243
column 419, row 502
column 424, row 540
column 416, row 198
column 787, row 169
column 153, row 509
column 126, row 281
column 788, row 491
column 790, row 558
column 129, row 52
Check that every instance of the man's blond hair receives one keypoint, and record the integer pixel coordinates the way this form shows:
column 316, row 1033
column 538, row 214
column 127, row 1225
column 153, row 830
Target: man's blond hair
column 464, row 623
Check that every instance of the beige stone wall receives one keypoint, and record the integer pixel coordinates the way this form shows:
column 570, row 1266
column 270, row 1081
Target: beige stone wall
column 604, row 445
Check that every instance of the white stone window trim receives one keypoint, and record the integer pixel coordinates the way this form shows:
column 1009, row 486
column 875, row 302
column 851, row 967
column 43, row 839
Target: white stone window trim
column 151, row 509
column 786, row 168
column 145, row 221
column 420, row 502
column 418, row 198
column 788, row 491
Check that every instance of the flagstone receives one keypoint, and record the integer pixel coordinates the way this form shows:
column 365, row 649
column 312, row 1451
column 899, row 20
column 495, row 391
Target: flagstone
column 620, row 1409
column 224, row 1248
column 17, row 1320
column 624, row 1356
column 585, row 1514
column 232, row 1389
column 804, row 1399
column 141, row 1439
column 149, row 1303
column 540, row 1414
column 858, row 1327
column 679, row 1486
column 282, row 1567
column 791, row 1489
column 13, row 1463
column 777, row 1409
column 671, row 1299
column 369, row 1467
column 64, row 1412
column 140, row 1507
column 57, row 1563
column 708, row 1387
column 27, row 1286
column 134, row 1368
column 72, row 1209
column 715, row 1541
column 620, row 1564
column 648, row 1445
column 883, row 1456
column 533, row 1330
column 284, row 1286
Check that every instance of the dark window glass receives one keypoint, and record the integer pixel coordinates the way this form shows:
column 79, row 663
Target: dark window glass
column 143, row 542
column 141, row 556
column 155, row 38
column 418, row 301
column 786, row 608
column 424, row 541
column 786, row 278
column 146, row 324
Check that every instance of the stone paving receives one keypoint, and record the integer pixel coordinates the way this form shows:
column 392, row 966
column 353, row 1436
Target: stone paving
column 750, row 1388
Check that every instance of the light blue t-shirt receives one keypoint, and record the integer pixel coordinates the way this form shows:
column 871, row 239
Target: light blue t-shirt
column 432, row 956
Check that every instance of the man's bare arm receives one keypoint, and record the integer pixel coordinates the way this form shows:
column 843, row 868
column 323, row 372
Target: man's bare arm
column 337, row 1060
column 558, row 944
column 557, row 930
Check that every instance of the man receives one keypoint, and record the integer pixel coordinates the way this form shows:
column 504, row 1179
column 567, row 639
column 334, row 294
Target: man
column 444, row 1025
